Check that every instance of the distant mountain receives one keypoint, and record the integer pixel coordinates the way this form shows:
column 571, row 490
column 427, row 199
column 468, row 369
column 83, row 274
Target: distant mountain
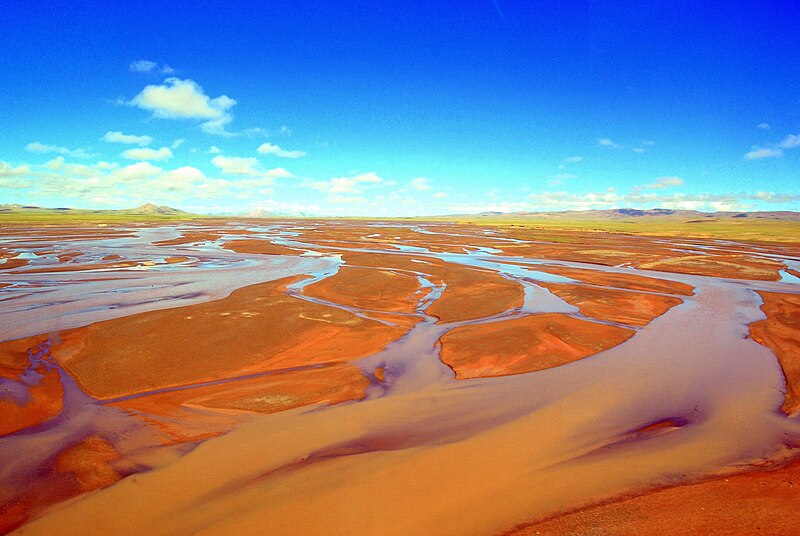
column 632, row 214
column 260, row 213
column 148, row 209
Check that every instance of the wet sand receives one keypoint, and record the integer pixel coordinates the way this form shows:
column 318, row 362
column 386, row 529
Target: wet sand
column 331, row 377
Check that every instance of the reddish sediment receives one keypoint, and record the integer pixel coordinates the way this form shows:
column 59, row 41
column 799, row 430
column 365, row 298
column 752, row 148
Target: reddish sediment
column 618, row 280
column 258, row 246
column 470, row 293
column 625, row 307
column 368, row 288
column 256, row 328
column 332, row 383
column 191, row 237
column 757, row 502
column 89, row 462
column 44, row 393
column 780, row 332
column 727, row 266
column 527, row 344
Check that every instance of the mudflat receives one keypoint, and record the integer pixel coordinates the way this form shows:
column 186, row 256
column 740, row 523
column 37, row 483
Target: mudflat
column 377, row 377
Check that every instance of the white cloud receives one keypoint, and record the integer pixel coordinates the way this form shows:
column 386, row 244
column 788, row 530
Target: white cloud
column 763, row 126
column 278, row 173
column 214, row 150
column 420, row 183
column 7, row 171
column 177, row 143
column 606, row 142
column 39, row 147
column 142, row 66
column 440, row 195
column 166, row 69
column 133, row 172
column 249, row 167
column 663, row 182
column 336, row 199
column 757, row 154
column 791, row 141
column 639, row 150
column 269, row 148
column 185, row 99
column 119, row 137
column 14, row 177
column 347, row 185
column 573, row 159
column 145, row 153
column 236, row 165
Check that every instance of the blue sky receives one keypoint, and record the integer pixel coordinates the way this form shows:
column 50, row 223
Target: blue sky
column 400, row 108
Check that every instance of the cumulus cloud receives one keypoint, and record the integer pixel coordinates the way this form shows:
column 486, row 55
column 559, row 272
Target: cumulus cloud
column 269, row 148
column 420, row 183
column 131, row 139
column 663, row 182
column 611, row 199
column 758, row 154
column 109, row 184
column 347, row 185
column 142, row 66
column 236, row 165
column 147, row 66
column 607, row 142
column 336, row 199
column 39, row 147
column 14, row 177
column 186, row 99
column 248, row 167
column 791, row 141
column 214, row 150
column 145, row 153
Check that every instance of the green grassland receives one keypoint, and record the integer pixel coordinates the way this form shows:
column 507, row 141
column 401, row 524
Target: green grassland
column 750, row 230
column 738, row 229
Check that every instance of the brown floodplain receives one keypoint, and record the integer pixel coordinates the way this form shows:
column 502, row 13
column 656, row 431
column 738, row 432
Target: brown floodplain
column 469, row 293
column 230, row 371
column 780, row 332
column 215, row 340
column 625, row 307
column 763, row 501
column 527, row 344
column 369, row 288
column 263, row 247
column 620, row 280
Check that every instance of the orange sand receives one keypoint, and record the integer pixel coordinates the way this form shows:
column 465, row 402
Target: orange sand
column 527, row 344
column 621, row 306
column 758, row 502
column 332, row 384
column 256, row 328
column 368, row 288
column 88, row 462
column 626, row 281
column 45, row 397
column 731, row 266
column 470, row 292
column 780, row 332
column 263, row 247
